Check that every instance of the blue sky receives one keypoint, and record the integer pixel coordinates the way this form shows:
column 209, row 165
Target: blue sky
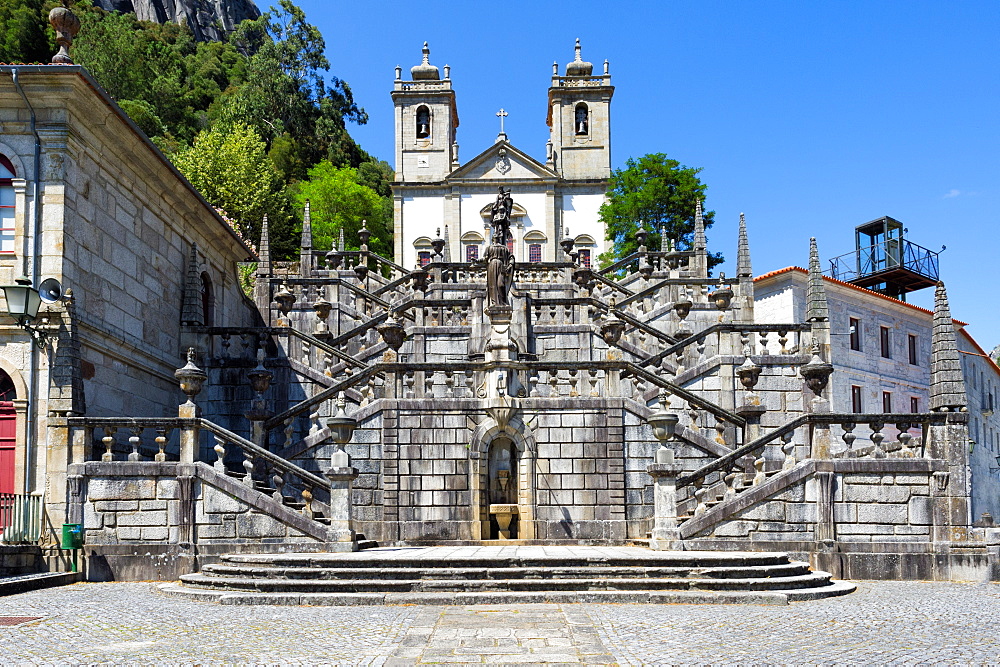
column 810, row 117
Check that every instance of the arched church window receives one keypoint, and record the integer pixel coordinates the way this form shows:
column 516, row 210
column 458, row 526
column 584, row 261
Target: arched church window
column 207, row 300
column 581, row 120
column 585, row 246
column 423, row 122
column 7, row 176
column 472, row 242
column 423, row 258
column 535, row 240
column 510, row 242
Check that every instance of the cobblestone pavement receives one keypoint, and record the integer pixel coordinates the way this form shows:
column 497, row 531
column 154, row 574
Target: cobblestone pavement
column 883, row 622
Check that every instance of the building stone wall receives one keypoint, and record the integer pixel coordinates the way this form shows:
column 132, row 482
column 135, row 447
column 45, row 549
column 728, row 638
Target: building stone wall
column 982, row 385
column 117, row 223
column 781, row 296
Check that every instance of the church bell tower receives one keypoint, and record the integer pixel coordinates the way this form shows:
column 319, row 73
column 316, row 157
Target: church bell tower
column 579, row 120
column 426, row 121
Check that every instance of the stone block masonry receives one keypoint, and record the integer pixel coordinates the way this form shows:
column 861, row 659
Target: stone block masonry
column 174, row 512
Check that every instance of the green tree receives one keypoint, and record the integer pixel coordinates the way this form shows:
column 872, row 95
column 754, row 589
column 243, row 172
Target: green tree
column 159, row 71
column 660, row 193
column 284, row 88
column 23, row 32
column 231, row 169
column 338, row 201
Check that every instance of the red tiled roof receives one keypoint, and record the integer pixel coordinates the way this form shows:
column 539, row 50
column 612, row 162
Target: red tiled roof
column 982, row 352
column 860, row 289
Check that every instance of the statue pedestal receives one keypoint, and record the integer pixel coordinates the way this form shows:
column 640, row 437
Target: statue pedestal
column 500, row 315
column 666, row 535
column 340, row 536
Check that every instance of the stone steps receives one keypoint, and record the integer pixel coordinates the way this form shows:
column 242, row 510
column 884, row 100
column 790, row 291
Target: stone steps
column 471, row 575
column 32, row 582
column 775, row 597
column 220, row 570
column 198, row 580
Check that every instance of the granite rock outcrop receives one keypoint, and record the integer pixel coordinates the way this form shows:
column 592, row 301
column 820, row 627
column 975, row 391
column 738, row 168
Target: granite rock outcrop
column 209, row 20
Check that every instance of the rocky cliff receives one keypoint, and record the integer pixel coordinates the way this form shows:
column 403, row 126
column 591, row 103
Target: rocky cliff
column 208, row 19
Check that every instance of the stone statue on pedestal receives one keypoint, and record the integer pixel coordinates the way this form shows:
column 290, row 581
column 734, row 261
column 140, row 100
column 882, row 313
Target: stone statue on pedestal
column 499, row 259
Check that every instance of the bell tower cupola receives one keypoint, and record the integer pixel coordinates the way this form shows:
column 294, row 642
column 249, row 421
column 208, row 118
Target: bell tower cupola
column 426, row 120
column 579, row 120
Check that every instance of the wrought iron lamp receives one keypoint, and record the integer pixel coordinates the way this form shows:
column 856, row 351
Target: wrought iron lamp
column 23, row 302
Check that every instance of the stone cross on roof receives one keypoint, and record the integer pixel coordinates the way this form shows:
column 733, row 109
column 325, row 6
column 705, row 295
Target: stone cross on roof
column 501, row 114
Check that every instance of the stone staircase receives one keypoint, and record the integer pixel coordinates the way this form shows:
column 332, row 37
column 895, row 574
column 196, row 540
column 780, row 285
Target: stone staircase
column 506, row 575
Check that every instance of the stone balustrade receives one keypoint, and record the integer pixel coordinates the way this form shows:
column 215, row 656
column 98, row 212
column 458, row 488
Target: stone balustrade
column 783, row 448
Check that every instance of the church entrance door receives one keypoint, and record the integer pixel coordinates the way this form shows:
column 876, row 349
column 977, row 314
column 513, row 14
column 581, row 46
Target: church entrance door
column 8, row 432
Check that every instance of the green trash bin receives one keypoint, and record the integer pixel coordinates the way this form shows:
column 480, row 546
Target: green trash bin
column 72, row 536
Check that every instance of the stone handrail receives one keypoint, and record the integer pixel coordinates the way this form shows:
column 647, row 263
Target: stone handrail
column 621, row 263
column 729, row 460
column 273, row 459
column 690, row 397
column 164, row 425
column 363, row 254
column 722, row 328
column 325, row 282
column 457, row 368
column 326, row 347
column 666, row 282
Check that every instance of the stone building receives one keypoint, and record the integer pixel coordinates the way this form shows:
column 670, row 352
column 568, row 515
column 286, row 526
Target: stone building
column 90, row 202
column 881, row 349
column 355, row 400
column 435, row 194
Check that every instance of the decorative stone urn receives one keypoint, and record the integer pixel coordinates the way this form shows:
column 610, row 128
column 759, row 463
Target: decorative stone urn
column 503, row 514
column 817, row 372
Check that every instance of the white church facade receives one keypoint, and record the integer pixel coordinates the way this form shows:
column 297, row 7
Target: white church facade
column 434, row 194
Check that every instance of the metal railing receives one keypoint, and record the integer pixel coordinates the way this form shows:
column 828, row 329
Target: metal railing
column 890, row 254
column 20, row 519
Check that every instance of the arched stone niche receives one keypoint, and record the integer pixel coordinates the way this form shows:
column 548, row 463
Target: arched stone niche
column 483, row 438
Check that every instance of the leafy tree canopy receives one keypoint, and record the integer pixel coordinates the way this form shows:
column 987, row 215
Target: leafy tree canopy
column 230, row 168
column 284, row 90
column 660, row 193
column 245, row 120
column 339, row 200
column 23, row 32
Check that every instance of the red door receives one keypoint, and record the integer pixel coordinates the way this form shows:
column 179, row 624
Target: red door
column 8, row 435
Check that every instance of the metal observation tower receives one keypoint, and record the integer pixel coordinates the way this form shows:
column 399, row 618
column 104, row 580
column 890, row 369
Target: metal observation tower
column 885, row 262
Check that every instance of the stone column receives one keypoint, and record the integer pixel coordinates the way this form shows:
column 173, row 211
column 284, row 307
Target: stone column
column 666, row 535
column 340, row 535
column 262, row 280
column 825, row 529
column 56, row 461
column 950, row 442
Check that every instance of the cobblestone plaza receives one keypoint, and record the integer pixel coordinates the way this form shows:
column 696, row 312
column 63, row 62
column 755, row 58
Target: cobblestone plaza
column 883, row 622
